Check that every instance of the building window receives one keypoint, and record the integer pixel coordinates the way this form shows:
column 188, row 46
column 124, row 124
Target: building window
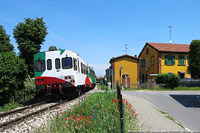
column 147, row 51
column 152, row 60
column 181, row 60
column 57, row 63
column 49, row 64
column 143, row 62
column 169, row 60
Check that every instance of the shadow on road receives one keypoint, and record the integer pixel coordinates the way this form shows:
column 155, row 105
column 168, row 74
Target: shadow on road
column 190, row 101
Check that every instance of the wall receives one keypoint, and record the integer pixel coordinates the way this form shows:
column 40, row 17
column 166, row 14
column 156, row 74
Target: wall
column 130, row 66
column 175, row 68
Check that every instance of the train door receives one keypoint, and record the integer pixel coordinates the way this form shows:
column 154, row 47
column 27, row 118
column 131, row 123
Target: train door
column 57, row 71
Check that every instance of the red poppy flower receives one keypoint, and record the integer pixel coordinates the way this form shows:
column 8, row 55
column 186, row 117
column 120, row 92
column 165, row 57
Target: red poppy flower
column 60, row 110
column 74, row 114
column 71, row 110
column 98, row 105
column 135, row 115
column 65, row 118
column 88, row 123
column 82, row 110
column 63, row 112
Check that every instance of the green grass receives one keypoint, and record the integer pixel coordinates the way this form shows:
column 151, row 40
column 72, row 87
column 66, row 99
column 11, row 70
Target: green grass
column 95, row 113
column 9, row 106
column 169, row 117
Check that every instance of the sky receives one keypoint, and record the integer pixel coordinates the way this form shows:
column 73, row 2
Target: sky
column 99, row 29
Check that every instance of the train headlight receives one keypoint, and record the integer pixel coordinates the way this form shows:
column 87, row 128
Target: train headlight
column 72, row 81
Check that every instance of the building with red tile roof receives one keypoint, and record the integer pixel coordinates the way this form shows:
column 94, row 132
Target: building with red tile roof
column 159, row 58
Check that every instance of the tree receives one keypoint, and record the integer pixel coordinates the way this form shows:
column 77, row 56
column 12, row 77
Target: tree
column 29, row 36
column 13, row 71
column 170, row 79
column 5, row 45
column 194, row 59
column 52, row 48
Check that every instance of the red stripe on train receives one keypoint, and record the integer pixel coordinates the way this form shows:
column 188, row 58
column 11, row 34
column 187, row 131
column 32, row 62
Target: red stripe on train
column 44, row 80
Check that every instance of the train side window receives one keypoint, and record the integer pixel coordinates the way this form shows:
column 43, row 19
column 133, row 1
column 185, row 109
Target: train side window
column 82, row 68
column 67, row 63
column 78, row 67
column 75, row 65
column 57, row 63
column 49, row 64
column 39, row 65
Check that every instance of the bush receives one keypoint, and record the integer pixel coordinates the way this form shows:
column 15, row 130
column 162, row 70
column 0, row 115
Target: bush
column 13, row 71
column 170, row 79
column 28, row 93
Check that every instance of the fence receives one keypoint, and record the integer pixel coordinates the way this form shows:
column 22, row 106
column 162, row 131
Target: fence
column 189, row 83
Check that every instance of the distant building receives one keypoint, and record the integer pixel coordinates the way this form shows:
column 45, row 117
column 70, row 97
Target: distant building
column 130, row 66
column 159, row 58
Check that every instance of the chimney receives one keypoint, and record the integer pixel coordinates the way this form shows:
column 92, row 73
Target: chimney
column 136, row 56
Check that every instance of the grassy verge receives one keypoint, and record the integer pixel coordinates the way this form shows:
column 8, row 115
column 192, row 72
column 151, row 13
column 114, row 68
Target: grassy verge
column 170, row 117
column 9, row 106
column 95, row 113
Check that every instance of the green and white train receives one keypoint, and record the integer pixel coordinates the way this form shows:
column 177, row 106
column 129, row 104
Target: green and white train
column 63, row 70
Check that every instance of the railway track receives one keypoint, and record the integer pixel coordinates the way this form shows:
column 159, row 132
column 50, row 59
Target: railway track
column 13, row 117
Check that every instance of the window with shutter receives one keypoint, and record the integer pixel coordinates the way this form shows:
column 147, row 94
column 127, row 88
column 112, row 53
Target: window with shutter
column 169, row 60
column 181, row 60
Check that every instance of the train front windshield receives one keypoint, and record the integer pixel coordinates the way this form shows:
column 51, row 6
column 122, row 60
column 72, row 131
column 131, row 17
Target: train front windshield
column 39, row 65
column 67, row 63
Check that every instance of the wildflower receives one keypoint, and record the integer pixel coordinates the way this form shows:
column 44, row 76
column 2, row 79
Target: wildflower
column 88, row 123
column 82, row 110
column 79, row 126
column 86, row 119
column 71, row 110
column 74, row 123
column 63, row 112
column 89, row 106
column 98, row 104
column 81, row 117
column 135, row 115
column 74, row 118
column 60, row 110
column 90, row 101
column 93, row 110
column 74, row 114
column 70, row 118
column 65, row 118
column 78, row 105
column 84, row 98
column 58, row 114
column 114, row 101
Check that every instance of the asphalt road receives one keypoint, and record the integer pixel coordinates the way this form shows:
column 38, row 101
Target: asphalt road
column 184, row 106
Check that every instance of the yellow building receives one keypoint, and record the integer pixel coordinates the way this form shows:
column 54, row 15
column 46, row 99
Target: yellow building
column 129, row 66
column 159, row 58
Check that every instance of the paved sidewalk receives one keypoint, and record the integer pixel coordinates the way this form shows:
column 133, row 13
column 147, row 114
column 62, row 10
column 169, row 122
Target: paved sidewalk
column 150, row 118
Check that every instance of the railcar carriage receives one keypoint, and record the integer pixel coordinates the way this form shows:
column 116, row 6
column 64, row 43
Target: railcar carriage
column 62, row 69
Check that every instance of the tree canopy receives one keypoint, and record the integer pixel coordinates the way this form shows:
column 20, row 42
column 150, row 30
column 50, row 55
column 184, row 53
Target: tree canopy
column 5, row 45
column 13, row 71
column 29, row 36
column 194, row 59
